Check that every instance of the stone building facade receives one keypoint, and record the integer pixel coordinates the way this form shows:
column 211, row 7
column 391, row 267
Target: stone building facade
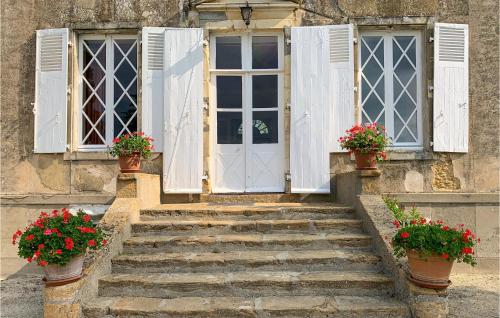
column 30, row 181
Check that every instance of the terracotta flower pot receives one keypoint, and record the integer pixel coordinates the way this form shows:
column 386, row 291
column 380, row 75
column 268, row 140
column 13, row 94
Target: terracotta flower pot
column 429, row 271
column 365, row 161
column 61, row 275
column 130, row 163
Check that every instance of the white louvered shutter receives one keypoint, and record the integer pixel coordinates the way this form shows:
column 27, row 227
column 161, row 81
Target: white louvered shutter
column 51, row 90
column 321, row 102
column 183, row 137
column 341, row 82
column 451, row 87
column 153, row 88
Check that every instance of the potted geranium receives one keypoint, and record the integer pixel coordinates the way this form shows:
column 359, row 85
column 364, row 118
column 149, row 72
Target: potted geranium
column 368, row 143
column 130, row 148
column 58, row 243
column 431, row 246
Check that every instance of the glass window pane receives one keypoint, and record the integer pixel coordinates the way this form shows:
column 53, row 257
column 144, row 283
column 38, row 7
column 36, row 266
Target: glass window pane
column 93, row 92
column 125, row 86
column 229, row 92
column 229, row 128
column 265, row 127
column 372, row 82
column 264, row 52
column 265, row 91
column 228, row 52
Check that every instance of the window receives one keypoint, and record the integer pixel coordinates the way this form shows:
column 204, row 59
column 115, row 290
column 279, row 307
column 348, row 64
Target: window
column 391, row 84
column 247, row 76
column 108, row 88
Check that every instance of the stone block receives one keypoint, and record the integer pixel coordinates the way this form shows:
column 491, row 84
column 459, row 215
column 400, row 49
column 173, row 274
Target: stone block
column 414, row 181
column 488, row 229
column 62, row 311
column 455, row 215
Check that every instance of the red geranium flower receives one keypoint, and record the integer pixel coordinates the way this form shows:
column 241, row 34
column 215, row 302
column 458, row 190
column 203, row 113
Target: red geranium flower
column 445, row 255
column 91, row 243
column 405, row 235
column 58, row 252
column 42, row 263
column 40, row 246
column 87, row 218
column 30, row 237
column 69, row 243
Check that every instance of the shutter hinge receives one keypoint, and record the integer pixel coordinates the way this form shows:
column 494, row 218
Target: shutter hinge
column 288, row 41
column 205, row 176
column 288, row 106
column 205, row 106
column 34, row 108
column 68, row 91
column 430, row 89
column 288, row 176
column 355, row 89
column 431, row 39
column 355, row 40
column 431, row 143
column 205, row 43
column 70, row 44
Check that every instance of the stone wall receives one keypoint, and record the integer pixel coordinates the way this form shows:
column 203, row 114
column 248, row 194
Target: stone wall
column 25, row 172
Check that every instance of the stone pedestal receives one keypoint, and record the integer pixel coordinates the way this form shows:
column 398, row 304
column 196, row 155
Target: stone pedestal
column 355, row 183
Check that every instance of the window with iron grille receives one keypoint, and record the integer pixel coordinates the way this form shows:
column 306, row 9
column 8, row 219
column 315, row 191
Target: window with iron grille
column 108, row 88
column 391, row 84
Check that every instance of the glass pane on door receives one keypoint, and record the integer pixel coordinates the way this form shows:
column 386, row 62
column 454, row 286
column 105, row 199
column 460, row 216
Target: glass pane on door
column 229, row 92
column 228, row 52
column 264, row 52
column 265, row 127
column 229, row 128
column 265, row 91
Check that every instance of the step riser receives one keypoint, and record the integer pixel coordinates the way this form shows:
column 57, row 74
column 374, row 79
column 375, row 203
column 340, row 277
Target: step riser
column 259, row 227
column 341, row 213
column 251, row 313
column 225, row 267
column 186, row 246
column 245, row 289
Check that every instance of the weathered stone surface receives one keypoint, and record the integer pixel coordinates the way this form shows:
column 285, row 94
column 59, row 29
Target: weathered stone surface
column 287, row 306
column 414, row 181
column 250, row 284
column 209, row 226
column 247, row 241
column 243, row 259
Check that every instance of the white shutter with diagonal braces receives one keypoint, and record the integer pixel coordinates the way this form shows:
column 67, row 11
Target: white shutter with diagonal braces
column 322, row 102
column 183, row 111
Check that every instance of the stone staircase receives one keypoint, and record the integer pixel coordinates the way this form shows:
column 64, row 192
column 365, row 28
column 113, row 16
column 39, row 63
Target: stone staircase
column 216, row 259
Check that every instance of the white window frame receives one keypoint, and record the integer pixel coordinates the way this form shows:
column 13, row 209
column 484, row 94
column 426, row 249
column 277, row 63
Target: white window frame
column 389, row 88
column 246, row 72
column 109, row 100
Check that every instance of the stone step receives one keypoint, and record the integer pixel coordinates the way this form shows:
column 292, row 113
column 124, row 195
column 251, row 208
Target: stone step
column 248, row 211
column 245, row 241
column 228, row 226
column 231, row 307
column 311, row 260
column 246, row 284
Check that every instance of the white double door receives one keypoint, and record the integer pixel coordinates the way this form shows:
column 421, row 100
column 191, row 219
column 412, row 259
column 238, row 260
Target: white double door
column 247, row 115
